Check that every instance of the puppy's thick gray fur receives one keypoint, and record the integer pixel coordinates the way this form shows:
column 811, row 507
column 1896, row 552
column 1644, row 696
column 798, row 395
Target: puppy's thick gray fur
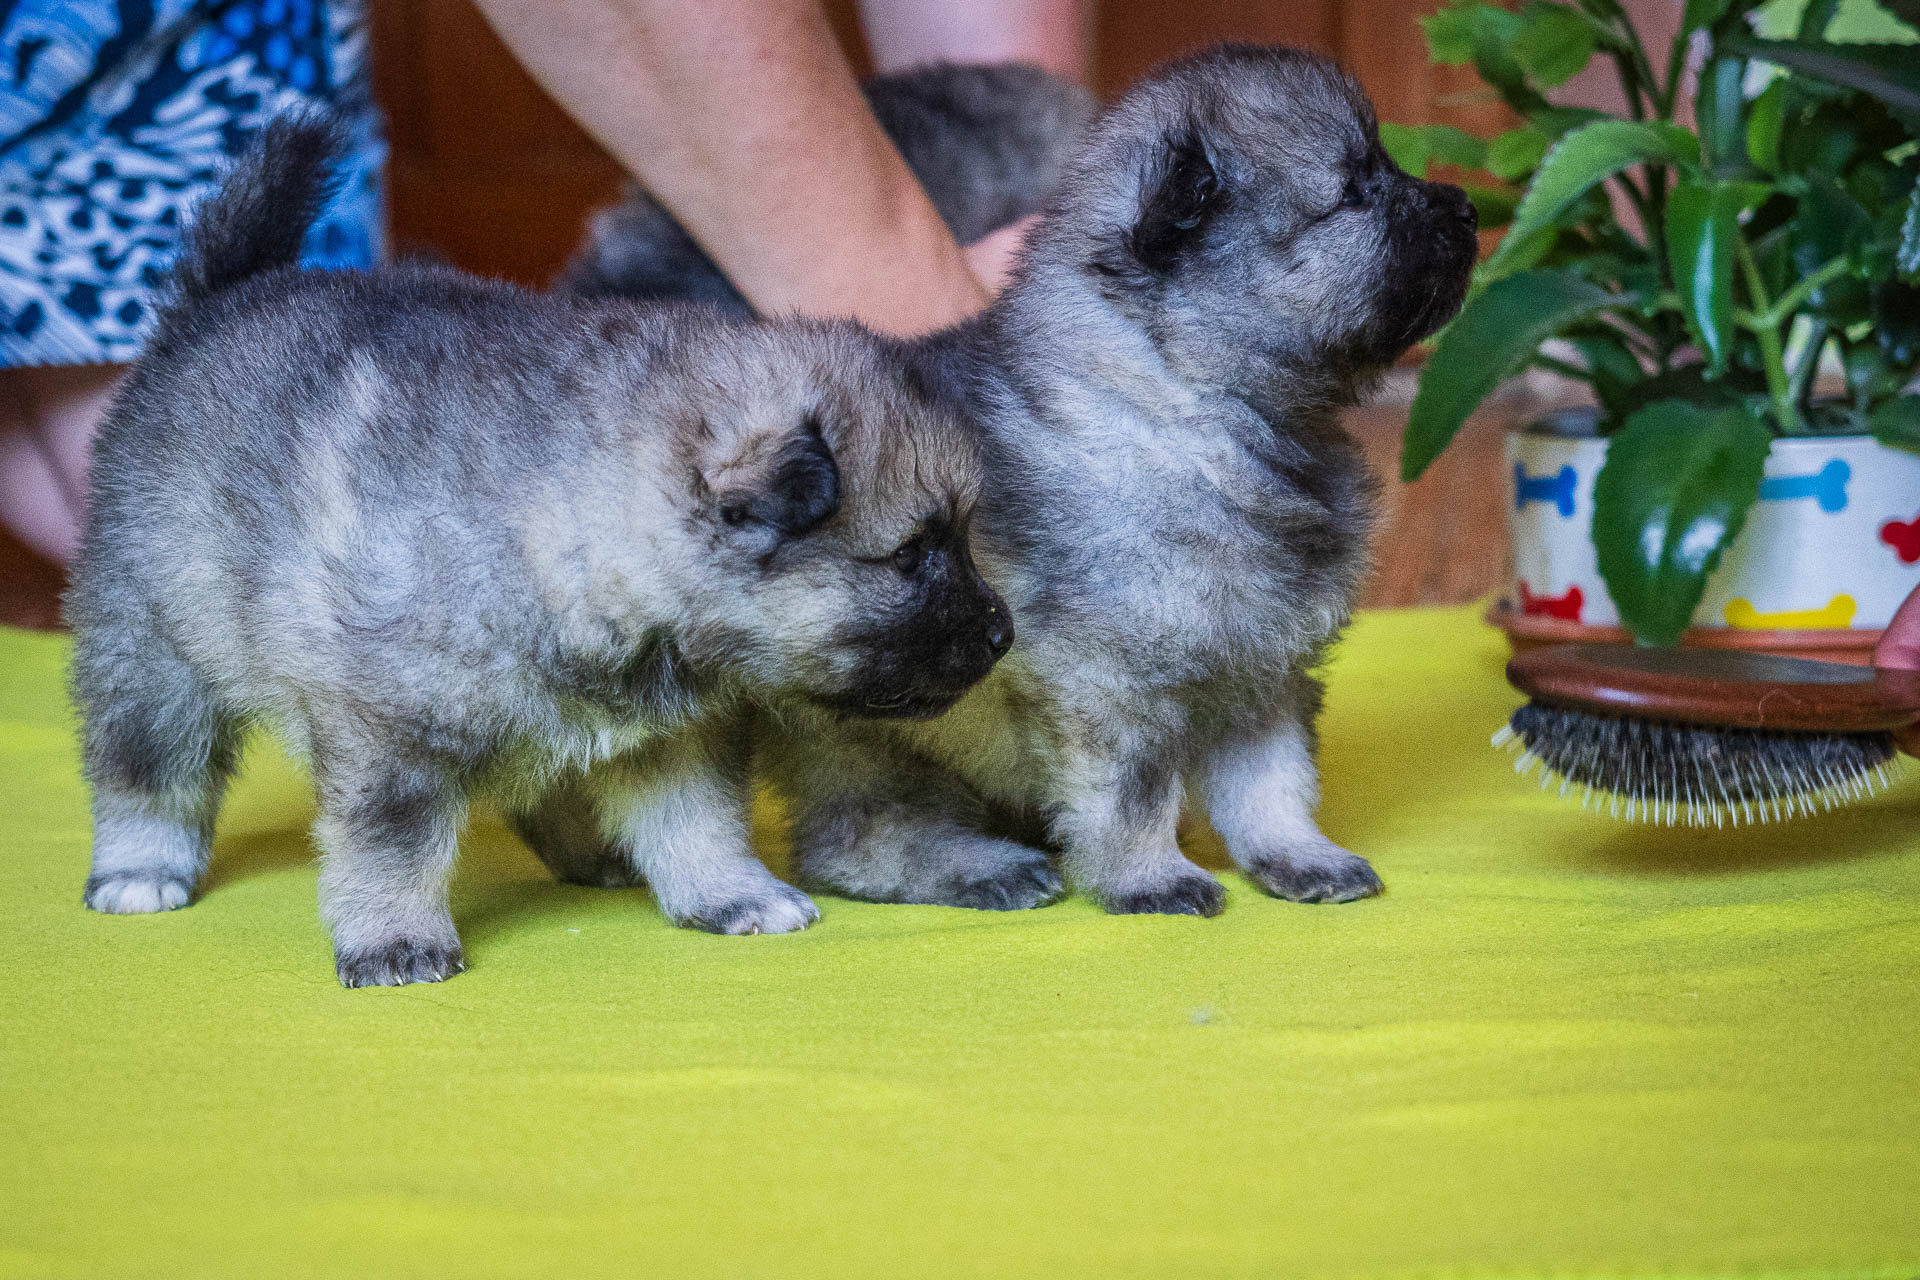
column 1171, row 507
column 443, row 535
column 987, row 142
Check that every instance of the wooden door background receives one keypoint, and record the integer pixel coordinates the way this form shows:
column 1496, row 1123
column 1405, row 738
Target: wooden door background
column 490, row 175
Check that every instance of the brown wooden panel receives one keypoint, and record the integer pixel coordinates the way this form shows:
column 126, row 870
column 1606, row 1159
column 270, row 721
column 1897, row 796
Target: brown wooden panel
column 487, row 171
column 1131, row 37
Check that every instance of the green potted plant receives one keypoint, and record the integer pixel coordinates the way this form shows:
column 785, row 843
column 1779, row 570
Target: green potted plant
column 1697, row 280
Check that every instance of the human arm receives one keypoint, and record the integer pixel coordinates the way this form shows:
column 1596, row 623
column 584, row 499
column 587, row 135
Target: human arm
column 744, row 119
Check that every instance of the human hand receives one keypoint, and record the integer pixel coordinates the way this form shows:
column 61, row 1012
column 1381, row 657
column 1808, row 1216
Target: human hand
column 1899, row 647
column 993, row 255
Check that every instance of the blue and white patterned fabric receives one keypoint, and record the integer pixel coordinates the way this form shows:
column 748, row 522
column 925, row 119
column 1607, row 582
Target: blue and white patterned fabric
column 116, row 115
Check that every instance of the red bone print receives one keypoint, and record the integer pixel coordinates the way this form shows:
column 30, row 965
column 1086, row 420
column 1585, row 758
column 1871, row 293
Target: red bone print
column 1561, row 606
column 1904, row 537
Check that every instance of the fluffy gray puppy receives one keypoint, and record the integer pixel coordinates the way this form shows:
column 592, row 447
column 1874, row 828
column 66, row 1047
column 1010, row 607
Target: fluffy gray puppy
column 443, row 534
column 1171, row 507
column 987, row 142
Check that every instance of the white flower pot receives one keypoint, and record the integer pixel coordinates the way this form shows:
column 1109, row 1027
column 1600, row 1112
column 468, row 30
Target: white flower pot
column 1825, row 557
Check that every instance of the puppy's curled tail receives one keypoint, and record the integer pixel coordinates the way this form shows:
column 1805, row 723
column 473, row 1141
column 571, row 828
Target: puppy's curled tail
column 258, row 217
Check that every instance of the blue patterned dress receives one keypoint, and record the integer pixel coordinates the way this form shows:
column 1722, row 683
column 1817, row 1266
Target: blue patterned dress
column 116, row 115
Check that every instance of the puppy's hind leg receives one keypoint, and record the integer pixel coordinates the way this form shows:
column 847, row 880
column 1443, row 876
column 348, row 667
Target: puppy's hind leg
column 1261, row 790
column 388, row 830
column 158, row 750
column 878, row 823
column 677, row 812
column 564, row 830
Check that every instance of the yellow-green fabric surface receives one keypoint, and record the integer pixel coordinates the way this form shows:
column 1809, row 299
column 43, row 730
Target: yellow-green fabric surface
column 1557, row 1046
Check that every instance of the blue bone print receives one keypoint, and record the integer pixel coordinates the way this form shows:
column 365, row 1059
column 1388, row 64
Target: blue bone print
column 1828, row 484
column 1556, row 488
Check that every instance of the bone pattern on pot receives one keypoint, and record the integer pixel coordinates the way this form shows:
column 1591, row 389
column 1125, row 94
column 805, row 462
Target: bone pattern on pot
column 1556, row 489
column 1835, row 615
column 1828, row 486
column 1904, row 537
column 1566, row 605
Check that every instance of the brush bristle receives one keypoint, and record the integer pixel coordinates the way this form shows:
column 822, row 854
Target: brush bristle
column 1653, row 771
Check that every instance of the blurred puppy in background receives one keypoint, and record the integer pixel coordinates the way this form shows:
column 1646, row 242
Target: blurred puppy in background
column 987, row 142
column 447, row 535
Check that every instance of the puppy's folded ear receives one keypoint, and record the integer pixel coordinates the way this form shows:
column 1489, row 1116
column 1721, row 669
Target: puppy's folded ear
column 1178, row 192
column 788, row 483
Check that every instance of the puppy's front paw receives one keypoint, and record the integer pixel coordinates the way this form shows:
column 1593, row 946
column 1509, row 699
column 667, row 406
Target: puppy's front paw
column 1326, row 873
column 1192, row 893
column 137, row 893
column 777, row 908
column 1017, row 878
column 400, row 962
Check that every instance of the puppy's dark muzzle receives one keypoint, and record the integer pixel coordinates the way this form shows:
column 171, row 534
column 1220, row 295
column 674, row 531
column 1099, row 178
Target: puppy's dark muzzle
column 945, row 675
column 1434, row 245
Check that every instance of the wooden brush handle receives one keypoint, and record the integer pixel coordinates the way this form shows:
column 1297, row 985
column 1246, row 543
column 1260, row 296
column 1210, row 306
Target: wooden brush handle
column 1719, row 687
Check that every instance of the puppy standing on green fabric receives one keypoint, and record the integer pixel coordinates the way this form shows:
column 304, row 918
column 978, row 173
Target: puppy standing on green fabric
column 1170, row 505
column 444, row 534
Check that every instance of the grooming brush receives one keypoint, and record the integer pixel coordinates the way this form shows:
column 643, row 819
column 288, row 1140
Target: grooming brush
column 1706, row 736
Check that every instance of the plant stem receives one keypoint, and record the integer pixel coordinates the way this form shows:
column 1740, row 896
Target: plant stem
column 1772, row 358
column 1636, row 72
column 1803, row 373
column 1649, row 227
column 1790, row 301
column 1668, row 95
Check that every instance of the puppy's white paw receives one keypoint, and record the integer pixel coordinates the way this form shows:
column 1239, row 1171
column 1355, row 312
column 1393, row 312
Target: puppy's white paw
column 776, row 908
column 1315, row 873
column 137, row 893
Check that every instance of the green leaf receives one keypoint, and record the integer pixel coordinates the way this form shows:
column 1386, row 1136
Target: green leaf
column 1718, row 104
column 1701, row 227
column 1486, row 36
column 1494, row 205
column 1493, row 58
column 1896, row 323
column 1613, row 368
column 1897, row 422
column 1581, row 161
column 1406, row 146
column 1449, row 33
column 1492, row 337
column 1556, row 44
column 1828, row 223
column 1517, row 152
column 1558, row 122
column 1415, row 147
column 1702, row 13
column 1890, row 72
column 1908, row 11
column 1676, row 487
column 1764, row 123
column 1907, row 258
column 1448, row 145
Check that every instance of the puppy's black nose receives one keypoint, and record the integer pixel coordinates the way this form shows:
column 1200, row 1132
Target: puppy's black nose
column 1000, row 637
